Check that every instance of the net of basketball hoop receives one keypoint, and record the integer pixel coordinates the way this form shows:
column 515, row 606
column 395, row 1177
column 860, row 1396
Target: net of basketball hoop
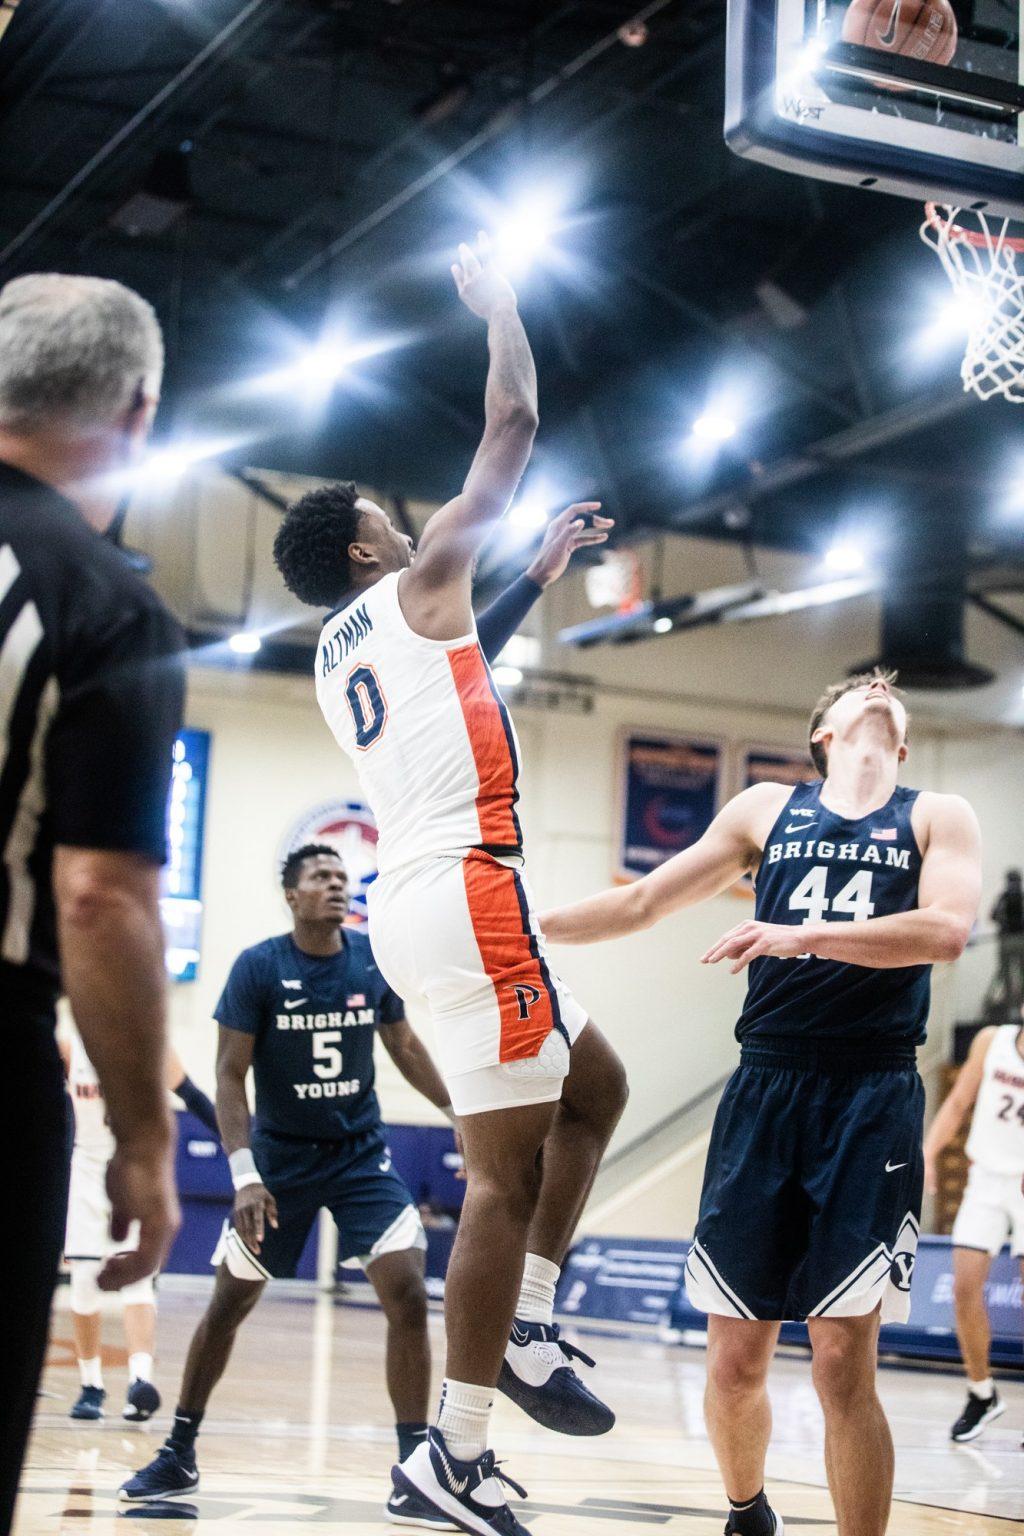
column 985, row 265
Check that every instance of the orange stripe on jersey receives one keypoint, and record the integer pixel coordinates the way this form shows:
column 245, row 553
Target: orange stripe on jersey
column 507, row 949
column 491, row 745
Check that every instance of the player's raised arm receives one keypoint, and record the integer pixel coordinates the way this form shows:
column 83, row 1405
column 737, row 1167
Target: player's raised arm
column 729, row 848
column 937, row 929
column 435, row 593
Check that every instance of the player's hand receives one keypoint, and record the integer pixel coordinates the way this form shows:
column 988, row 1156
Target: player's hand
column 255, row 1210
column 751, row 939
column 482, row 288
column 578, row 527
column 140, row 1185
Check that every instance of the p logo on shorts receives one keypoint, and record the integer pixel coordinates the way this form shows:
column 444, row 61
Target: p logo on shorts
column 527, row 997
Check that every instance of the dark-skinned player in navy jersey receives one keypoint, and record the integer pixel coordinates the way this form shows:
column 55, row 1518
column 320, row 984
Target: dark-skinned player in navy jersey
column 302, row 1010
column 812, row 1191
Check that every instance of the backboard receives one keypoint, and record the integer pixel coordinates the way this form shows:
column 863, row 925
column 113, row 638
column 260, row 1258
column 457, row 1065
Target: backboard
column 802, row 99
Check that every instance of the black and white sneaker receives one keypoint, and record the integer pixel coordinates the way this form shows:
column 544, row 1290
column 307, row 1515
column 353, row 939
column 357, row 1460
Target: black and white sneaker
column 89, row 1405
column 142, row 1402
column 538, row 1375
column 412, row 1509
column 759, row 1517
column 468, row 1493
column 167, row 1476
column 978, row 1411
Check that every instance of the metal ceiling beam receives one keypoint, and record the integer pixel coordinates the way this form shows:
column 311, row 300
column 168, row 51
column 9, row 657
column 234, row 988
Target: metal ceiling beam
column 229, row 39
column 888, row 426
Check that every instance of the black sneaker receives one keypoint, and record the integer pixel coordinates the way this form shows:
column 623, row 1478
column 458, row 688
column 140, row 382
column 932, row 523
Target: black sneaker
column 166, row 1477
column 142, row 1402
column 90, row 1404
column 537, row 1374
column 468, row 1493
column 978, row 1411
column 761, row 1519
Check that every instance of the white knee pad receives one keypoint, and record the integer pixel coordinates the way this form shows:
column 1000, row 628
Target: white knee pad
column 85, row 1293
column 139, row 1294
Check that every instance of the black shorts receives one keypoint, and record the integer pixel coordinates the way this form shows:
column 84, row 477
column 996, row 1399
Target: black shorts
column 354, row 1180
column 812, row 1191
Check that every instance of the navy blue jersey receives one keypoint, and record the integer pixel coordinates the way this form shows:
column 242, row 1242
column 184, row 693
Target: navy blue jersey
column 817, row 866
column 313, row 1018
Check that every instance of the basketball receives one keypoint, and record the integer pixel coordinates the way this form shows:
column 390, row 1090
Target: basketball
column 917, row 29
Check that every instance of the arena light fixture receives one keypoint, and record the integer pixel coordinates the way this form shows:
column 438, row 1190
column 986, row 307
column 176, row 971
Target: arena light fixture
column 164, row 466
column 246, row 642
column 845, row 557
column 715, row 425
column 531, row 510
column 318, row 368
column 523, row 232
column 507, row 677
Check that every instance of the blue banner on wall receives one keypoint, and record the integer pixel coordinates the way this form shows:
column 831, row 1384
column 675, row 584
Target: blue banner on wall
column 669, row 797
column 622, row 1279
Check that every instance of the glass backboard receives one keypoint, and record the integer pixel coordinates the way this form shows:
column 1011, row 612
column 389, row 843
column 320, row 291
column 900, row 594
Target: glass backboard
column 821, row 87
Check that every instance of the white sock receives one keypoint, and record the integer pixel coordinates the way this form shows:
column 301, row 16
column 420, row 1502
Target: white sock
column 91, row 1372
column 464, row 1417
column 140, row 1366
column 536, row 1302
column 981, row 1388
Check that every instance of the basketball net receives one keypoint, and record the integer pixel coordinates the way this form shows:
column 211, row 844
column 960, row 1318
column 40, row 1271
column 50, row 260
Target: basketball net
column 980, row 258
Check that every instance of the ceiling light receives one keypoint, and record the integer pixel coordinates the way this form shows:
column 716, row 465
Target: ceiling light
column 245, row 643
column 507, row 677
column 715, row 426
column 532, row 510
column 662, row 626
column 525, row 230
column 845, row 557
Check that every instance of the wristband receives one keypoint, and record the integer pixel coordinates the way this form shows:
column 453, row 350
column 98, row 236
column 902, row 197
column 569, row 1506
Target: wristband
column 243, row 1168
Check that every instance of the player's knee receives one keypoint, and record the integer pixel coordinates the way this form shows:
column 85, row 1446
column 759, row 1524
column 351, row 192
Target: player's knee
column 969, row 1290
column 734, row 1371
column 233, row 1300
column 514, row 1193
column 85, row 1293
column 843, row 1371
column 405, row 1305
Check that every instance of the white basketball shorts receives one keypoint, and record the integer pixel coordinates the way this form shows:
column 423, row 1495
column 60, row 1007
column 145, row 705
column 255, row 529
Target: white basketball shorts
column 87, row 1233
column 991, row 1212
column 459, row 934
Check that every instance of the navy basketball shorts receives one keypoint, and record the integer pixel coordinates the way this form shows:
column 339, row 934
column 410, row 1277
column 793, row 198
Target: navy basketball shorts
column 812, row 1191
column 354, row 1180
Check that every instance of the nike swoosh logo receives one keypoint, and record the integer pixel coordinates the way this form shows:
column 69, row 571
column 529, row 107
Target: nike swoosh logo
column 800, row 826
column 888, row 37
column 892, row 1167
column 522, row 1339
column 457, row 1485
column 399, row 1498
column 385, row 1165
column 297, row 1003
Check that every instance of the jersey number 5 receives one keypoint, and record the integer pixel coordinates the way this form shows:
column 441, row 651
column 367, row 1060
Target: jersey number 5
column 811, row 896
column 365, row 700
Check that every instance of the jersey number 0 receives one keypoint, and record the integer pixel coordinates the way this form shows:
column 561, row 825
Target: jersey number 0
column 365, row 700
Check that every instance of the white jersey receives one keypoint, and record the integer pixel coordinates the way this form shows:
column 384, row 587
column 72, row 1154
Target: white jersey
column 996, row 1140
column 92, row 1133
column 431, row 740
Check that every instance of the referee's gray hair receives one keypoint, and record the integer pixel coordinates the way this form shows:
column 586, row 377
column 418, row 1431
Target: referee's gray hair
column 75, row 352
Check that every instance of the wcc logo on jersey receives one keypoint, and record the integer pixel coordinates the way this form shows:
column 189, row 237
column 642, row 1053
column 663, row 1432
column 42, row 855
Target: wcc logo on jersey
column 348, row 826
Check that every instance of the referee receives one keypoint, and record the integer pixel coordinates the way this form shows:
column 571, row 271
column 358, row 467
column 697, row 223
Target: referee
column 91, row 687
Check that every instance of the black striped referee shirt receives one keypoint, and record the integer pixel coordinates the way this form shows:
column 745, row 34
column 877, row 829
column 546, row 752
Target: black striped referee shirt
column 91, row 691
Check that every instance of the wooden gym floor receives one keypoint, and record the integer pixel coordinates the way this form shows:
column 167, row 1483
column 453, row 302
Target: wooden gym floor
column 298, row 1436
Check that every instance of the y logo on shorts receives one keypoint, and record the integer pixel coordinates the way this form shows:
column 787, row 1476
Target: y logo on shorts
column 902, row 1270
column 527, row 997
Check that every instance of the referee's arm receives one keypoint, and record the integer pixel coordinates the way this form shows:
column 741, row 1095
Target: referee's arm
column 108, row 766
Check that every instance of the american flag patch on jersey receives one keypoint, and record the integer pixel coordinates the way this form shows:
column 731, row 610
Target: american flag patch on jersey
column 884, row 834
column 357, row 1000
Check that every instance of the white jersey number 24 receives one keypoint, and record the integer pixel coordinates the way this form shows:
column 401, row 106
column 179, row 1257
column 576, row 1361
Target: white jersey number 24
column 811, row 896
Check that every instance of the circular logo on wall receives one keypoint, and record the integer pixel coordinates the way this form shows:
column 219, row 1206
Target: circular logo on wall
column 348, row 826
